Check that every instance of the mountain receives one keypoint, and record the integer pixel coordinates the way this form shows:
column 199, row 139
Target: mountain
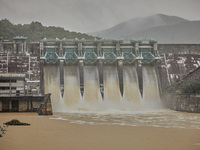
column 162, row 28
column 138, row 24
column 185, row 32
column 36, row 31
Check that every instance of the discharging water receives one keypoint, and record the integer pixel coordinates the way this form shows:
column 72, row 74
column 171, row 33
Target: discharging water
column 150, row 85
column 131, row 87
column 91, row 85
column 72, row 94
column 92, row 98
column 52, row 85
column 111, row 84
column 113, row 110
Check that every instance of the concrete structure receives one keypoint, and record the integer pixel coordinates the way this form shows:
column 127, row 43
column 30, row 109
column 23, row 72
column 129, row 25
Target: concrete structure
column 93, row 51
column 99, row 53
column 176, row 59
column 1, row 43
column 193, row 75
column 32, row 87
column 26, row 104
column 20, row 103
column 12, row 84
column 18, row 56
column 19, row 45
column 15, row 97
column 28, row 64
column 184, row 102
column 45, row 107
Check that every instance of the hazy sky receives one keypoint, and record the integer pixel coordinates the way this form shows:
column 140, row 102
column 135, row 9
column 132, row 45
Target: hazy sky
column 93, row 15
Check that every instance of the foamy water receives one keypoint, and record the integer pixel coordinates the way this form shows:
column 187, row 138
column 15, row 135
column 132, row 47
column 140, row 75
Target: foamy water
column 52, row 85
column 91, row 85
column 72, row 94
column 130, row 110
column 131, row 87
column 150, row 85
column 111, row 84
column 153, row 118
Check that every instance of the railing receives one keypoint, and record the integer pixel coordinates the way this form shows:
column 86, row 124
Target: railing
column 147, row 55
column 109, row 54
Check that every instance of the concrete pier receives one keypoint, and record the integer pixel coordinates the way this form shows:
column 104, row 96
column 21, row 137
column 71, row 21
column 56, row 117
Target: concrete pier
column 40, row 104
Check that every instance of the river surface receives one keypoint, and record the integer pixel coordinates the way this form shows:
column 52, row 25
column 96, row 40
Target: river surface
column 129, row 109
column 154, row 118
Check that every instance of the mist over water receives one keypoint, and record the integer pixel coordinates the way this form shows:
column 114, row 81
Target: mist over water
column 152, row 118
column 92, row 100
column 130, row 110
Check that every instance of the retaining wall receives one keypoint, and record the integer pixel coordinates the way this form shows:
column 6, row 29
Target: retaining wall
column 183, row 102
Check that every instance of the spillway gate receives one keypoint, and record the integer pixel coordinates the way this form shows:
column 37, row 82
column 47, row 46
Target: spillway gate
column 93, row 51
column 110, row 63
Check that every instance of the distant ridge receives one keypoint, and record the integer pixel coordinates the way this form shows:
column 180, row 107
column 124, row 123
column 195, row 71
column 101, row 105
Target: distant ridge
column 36, row 31
column 182, row 33
column 163, row 28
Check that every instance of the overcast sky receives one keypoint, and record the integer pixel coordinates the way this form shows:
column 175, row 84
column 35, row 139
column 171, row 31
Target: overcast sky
column 93, row 15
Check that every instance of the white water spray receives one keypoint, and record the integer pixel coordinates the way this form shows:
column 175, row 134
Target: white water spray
column 111, row 84
column 131, row 87
column 150, row 86
column 52, row 85
column 92, row 100
column 72, row 95
column 91, row 85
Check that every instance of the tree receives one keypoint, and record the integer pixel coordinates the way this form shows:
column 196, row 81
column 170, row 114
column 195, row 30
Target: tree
column 192, row 87
column 36, row 31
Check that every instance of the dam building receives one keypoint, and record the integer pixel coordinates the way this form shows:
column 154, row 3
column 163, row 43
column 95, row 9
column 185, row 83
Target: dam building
column 12, row 84
column 92, row 71
column 98, row 70
column 19, row 95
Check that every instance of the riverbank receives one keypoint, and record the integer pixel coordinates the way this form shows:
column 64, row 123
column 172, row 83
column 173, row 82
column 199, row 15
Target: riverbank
column 51, row 134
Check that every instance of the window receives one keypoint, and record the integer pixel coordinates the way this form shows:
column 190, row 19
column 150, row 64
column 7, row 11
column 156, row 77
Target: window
column 4, row 88
column 7, row 81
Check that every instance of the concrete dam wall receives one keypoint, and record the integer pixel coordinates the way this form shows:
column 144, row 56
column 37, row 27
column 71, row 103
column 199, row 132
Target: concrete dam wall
column 176, row 61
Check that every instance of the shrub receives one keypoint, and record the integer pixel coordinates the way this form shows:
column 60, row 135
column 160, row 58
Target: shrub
column 191, row 87
column 16, row 122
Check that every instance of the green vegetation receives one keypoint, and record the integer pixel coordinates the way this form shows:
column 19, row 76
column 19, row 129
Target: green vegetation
column 36, row 31
column 16, row 122
column 184, row 87
column 178, row 92
column 174, row 88
column 192, row 87
column 2, row 131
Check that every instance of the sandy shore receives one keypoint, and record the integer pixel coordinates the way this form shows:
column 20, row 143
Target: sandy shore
column 48, row 134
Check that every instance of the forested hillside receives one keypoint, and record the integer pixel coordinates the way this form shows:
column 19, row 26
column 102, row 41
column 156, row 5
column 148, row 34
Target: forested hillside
column 36, row 31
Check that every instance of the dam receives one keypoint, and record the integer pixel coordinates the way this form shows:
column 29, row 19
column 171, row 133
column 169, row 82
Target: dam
column 108, row 72
column 103, row 73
